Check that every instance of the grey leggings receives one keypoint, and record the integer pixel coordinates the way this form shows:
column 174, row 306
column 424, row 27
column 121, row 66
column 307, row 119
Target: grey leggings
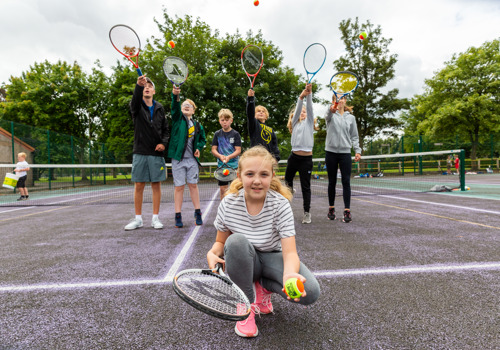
column 245, row 265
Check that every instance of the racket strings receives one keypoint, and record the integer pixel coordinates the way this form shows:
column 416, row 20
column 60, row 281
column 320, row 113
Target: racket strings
column 344, row 83
column 175, row 69
column 212, row 292
column 314, row 58
column 252, row 59
column 125, row 40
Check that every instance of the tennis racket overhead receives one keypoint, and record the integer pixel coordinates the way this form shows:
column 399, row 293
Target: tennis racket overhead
column 252, row 60
column 212, row 293
column 176, row 70
column 126, row 41
column 343, row 84
column 314, row 59
column 225, row 173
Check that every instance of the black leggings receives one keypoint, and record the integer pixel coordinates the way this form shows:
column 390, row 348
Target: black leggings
column 304, row 165
column 333, row 162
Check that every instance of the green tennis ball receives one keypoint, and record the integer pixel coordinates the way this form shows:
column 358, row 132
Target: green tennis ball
column 294, row 288
column 363, row 35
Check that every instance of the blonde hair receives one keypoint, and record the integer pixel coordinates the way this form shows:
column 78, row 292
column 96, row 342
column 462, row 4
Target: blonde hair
column 266, row 112
column 225, row 113
column 346, row 107
column 22, row 154
column 276, row 184
column 316, row 126
column 290, row 117
column 191, row 103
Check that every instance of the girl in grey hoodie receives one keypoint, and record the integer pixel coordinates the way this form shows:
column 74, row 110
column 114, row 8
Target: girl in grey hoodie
column 301, row 126
column 341, row 136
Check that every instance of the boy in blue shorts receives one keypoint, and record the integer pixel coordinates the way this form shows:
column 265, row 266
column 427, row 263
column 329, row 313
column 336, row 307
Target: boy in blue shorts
column 226, row 145
column 150, row 139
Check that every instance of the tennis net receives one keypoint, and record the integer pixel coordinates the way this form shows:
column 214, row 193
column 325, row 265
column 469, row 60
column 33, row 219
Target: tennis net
column 83, row 184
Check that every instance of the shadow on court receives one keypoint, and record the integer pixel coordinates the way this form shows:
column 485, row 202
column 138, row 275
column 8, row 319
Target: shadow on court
column 410, row 272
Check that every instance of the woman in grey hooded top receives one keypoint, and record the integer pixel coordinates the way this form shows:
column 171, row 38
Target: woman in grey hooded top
column 341, row 136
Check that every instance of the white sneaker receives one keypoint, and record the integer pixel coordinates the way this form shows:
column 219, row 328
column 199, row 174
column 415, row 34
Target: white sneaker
column 155, row 223
column 306, row 219
column 133, row 224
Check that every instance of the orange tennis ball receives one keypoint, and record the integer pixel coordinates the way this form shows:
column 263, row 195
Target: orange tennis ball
column 256, row 3
column 171, row 44
column 294, row 288
column 225, row 172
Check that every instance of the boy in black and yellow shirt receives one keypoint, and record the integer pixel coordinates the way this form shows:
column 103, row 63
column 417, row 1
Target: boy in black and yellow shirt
column 260, row 134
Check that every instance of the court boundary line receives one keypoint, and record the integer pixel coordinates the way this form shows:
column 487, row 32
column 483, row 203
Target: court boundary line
column 443, row 204
column 187, row 246
column 430, row 214
column 433, row 268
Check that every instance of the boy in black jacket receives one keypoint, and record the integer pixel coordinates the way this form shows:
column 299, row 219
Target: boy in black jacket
column 260, row 134
column 150, row 139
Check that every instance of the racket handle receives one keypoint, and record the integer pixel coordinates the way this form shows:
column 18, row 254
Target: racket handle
column 335, row 104
column 139, row 71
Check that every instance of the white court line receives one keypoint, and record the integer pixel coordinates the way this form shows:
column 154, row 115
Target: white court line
column 326, row 274
column 180, row 258
column 411, row 269
column 57, row 286
column 443, row 204
column 22, row 208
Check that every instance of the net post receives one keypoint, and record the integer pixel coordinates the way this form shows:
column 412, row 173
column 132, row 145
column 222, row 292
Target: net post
column 462, row 170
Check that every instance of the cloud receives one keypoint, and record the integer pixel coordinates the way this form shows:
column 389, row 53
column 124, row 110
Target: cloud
column 425, row 33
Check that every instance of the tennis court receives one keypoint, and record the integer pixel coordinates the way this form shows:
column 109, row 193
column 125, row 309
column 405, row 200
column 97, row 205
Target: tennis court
column 412, row 271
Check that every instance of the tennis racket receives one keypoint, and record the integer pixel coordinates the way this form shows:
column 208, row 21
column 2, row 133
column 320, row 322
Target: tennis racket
column 252, row 60
column 314, row 59
column 212, row 292
column 126, row 41
column 342, row 84
column 225, row 173
column 176, row 70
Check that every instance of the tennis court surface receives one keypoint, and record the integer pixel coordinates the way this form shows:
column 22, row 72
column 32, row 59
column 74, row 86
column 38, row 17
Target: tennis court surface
column 412, row 271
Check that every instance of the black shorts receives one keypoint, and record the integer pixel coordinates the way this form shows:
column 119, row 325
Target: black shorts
column 21, row 183
column 223, row 183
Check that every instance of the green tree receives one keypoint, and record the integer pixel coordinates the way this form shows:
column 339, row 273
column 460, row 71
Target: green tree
column 216, row 79
column 462, row 98
column 375, row 110
column 60, row 98
column 118, row 125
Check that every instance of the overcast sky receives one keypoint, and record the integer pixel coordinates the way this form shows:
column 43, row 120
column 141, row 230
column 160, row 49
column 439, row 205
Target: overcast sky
column 425, row 33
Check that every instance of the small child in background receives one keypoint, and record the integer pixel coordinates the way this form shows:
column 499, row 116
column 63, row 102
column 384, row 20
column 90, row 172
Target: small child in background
column 21, row 170
column 260, row 134
column 226, row 145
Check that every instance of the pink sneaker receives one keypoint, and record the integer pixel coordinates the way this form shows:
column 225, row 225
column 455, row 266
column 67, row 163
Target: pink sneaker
column 247, row 328
column 263, row 299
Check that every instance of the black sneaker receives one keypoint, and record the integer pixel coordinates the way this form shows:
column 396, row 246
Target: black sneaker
column 347, row 216
column 21, row 198
column 331, row 213
column 197, row 216
column 178, row 220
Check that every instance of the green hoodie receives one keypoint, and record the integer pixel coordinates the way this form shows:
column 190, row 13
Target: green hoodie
column 179, row 133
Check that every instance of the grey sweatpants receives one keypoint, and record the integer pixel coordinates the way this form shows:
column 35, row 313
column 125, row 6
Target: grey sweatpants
column 245, row 265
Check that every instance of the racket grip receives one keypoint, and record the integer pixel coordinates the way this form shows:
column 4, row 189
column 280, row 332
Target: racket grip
column 139, row 71
column 335, row 104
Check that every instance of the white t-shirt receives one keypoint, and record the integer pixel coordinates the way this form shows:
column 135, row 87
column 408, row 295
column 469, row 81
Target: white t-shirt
column 22, row 165
column 264, row 230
